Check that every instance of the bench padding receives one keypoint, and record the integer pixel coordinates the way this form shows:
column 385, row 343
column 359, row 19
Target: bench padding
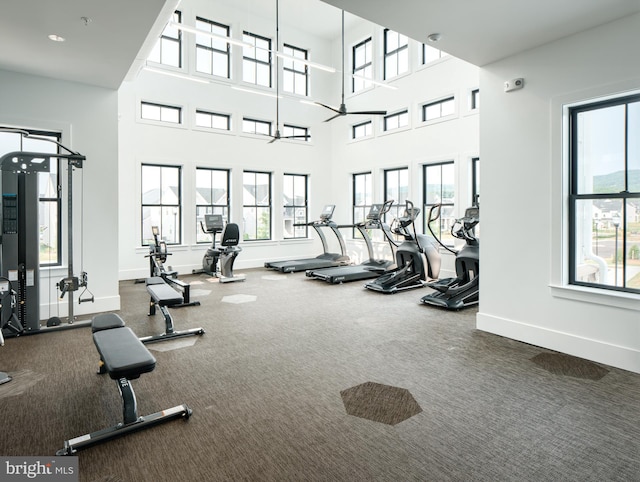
column 106, row 321
column 163, row 294
column 123, row 354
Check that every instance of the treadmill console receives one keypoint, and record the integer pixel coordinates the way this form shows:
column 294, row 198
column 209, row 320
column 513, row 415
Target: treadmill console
column 327, row 212
column 374, row 212
column 213, row 223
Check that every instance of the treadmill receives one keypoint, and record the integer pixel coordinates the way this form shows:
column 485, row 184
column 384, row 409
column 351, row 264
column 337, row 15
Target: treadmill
column 326, row 259
column 371, row 268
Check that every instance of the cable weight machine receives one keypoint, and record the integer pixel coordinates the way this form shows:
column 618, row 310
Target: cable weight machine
column 19, row 242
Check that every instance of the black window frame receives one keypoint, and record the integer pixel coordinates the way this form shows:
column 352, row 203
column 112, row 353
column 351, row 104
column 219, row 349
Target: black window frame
column 177, row 18
column 474, row 99
column 360, row 208
column 256, row 121
column 354, row 129
column 161, row 106
column 286, row 70
column 269, row 205
column 162, row 205
column 305, row 206
column 423, row 59
column 399, row 204
column 213, row 114
column 574, row 196
column 357, row 70
column 296, row 131
column 386, row 118
column 211, row 49
column 255, row 60
column 438, row 103
column 213, row 208
column 389, row 54
column 475, row 181
column 444, row 222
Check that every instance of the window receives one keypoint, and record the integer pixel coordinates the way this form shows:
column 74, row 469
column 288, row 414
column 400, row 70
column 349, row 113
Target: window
column 396, row 121
column 439, row 188
column 430, row 54
column 302, row 133
column 212, row 120
column 474, row 99
column 436, row 110
column 362, row 198
column 604, row 194
column 213, row 55
column 256, row 60
column 475, row 181
column 396, row 54
column 256, row 205
column 362, row 65
column 253, row 126
column 295, row 75
column 212, row 197
column 295, row 206
column 364, row 129
column 161, row 196
column 396, row 187
column 49, row 195
column 161, row 113
column 168, row 49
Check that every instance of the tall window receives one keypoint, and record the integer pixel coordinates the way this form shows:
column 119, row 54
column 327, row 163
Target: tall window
column 362, row 198
column 604, row 194
column 256, row 205
column 212, row 120
column 430, row 54
column 253, row 126
column 212, row 197
column 438, row 109
column 364, row 129
column 161, row 196
column 396, row 121
column 396, row 187
column 256, row 60
column 49, row 196
column 213, row 55
column 474, row 99
column 161, row 112
column 475, row 181
column 295, row 206
column 168, row 49
column 396, row 54
column 362, row 65
column 439, row 188
column 295, row 75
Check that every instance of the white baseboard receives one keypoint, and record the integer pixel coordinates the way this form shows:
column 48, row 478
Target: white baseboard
column 589, row 349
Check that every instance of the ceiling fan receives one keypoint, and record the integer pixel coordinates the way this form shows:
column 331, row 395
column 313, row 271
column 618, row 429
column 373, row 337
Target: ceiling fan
column 342, row 110
column 277, row 134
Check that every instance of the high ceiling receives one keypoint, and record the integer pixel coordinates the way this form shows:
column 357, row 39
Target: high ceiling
column 120, row 33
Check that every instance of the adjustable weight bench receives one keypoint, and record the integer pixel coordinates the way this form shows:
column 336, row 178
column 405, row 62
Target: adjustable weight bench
column 124, row 358
column 164, row 296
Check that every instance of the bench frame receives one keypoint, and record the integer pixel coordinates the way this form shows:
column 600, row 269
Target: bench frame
column 131, row 421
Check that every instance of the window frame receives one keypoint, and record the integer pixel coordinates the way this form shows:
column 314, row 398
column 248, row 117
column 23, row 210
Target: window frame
column 162, row 107
column 399, row 115
column 212, row 114
column 439, row 103
column 365, row 124
column 213, row 208
column 211, row 50
column 360, row 70
column 291, row 71
column 426, row 206
column 256, row 122
column 304, row 206
column 177, row 18
column 256, row 206
column 291, row 130
column 574, row 196
column 160, row 204
column 364, row 207
column 396, row 53
column 254, row 60
column 399, row 203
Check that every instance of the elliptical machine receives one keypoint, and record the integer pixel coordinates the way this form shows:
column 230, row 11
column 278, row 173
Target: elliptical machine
column 228, row 251
column 413, row 270
column 463, row 290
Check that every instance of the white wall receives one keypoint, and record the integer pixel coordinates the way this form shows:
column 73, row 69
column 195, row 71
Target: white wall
column 523, row 214
column 189, row 147
column 86, row 117
column 455, row 138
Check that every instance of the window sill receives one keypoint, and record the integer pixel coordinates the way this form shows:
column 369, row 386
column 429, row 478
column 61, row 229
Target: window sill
column 616, row 299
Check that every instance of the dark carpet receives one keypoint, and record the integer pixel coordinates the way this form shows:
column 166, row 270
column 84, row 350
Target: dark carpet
column 267, row 384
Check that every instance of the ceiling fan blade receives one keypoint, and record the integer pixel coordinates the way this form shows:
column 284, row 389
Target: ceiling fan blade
column 328, row 107
column 370, row 112
column 295, row 137
column 339, row 114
